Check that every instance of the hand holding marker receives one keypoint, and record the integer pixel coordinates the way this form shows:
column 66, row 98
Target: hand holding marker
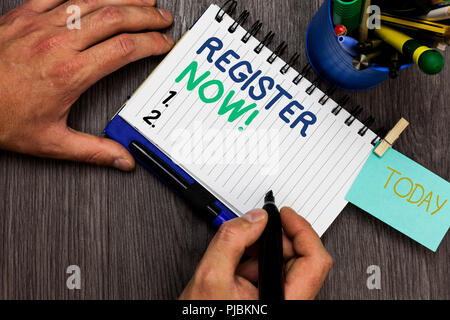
column 271, row 272
column 374, row 50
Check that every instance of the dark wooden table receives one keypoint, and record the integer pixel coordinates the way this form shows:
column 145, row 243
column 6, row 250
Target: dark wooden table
column 134, row 239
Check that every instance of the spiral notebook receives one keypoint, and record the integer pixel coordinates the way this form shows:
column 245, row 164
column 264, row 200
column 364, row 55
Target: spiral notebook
column 241, row 121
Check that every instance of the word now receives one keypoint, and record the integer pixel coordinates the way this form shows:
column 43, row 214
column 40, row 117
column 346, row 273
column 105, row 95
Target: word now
column 414, row 190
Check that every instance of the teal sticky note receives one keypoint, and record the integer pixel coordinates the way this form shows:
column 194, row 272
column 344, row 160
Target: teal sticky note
column 405, row 195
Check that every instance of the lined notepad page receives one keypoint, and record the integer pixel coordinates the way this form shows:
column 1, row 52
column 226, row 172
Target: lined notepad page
column 311, row 174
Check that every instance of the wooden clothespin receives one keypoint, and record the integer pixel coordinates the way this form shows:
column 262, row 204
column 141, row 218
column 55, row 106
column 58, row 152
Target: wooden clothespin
column 391, row 137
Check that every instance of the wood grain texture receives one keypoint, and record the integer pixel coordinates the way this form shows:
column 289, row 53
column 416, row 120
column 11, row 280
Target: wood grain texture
column 134, row 239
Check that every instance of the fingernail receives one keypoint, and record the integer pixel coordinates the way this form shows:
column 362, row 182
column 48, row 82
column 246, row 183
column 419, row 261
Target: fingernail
column 122, row 164
column 255, row 215
column 168, row 39
column 165, row 14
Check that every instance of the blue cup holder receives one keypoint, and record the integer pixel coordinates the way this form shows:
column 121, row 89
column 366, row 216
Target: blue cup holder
column 332, row 63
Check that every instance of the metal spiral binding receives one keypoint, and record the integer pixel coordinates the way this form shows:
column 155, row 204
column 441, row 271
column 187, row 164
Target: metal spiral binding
column 291, row 62
column 230, row 6
column 253, row 31
column 327, row 95
column 379, row 134
column 239, row 22
column 277, row 53
column 367, row 123
column 340, row 104
column 265, row 43
column 302, row 74
column 353, row 115
column 314, row 85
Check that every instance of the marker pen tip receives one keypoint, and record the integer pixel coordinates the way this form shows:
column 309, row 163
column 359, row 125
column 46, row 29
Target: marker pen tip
column 269, row 197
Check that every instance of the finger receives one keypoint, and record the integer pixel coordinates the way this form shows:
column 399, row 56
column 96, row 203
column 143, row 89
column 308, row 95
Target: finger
column 109, row 56
column 59, row 15
column 305, row 275
column 81, row 147
column 231, row 241
column 288, row 249
column 304, row 239
column 108, row 21
column 42, row 5
column 249, row 270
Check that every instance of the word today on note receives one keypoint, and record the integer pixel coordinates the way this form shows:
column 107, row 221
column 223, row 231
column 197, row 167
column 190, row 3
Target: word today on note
column 404, row 195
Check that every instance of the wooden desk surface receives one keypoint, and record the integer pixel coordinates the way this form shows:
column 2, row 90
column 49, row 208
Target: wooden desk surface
column 134, row 239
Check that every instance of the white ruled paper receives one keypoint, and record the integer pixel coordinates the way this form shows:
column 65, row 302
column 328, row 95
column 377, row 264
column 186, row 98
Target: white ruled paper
column 311, row 174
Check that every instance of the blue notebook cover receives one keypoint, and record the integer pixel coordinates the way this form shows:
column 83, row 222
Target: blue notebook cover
column 120, row 131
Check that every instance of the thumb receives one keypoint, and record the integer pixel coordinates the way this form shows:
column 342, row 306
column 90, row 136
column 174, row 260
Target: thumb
column 82, row 147
column 233, row 238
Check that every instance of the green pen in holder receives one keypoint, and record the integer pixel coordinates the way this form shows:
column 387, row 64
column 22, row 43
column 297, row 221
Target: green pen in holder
column 348, row 13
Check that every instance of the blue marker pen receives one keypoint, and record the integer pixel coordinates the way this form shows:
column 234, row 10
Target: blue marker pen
column 201, row 199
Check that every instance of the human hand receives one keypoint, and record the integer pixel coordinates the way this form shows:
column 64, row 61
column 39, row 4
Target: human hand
column 219, row 276
column 45, row 67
